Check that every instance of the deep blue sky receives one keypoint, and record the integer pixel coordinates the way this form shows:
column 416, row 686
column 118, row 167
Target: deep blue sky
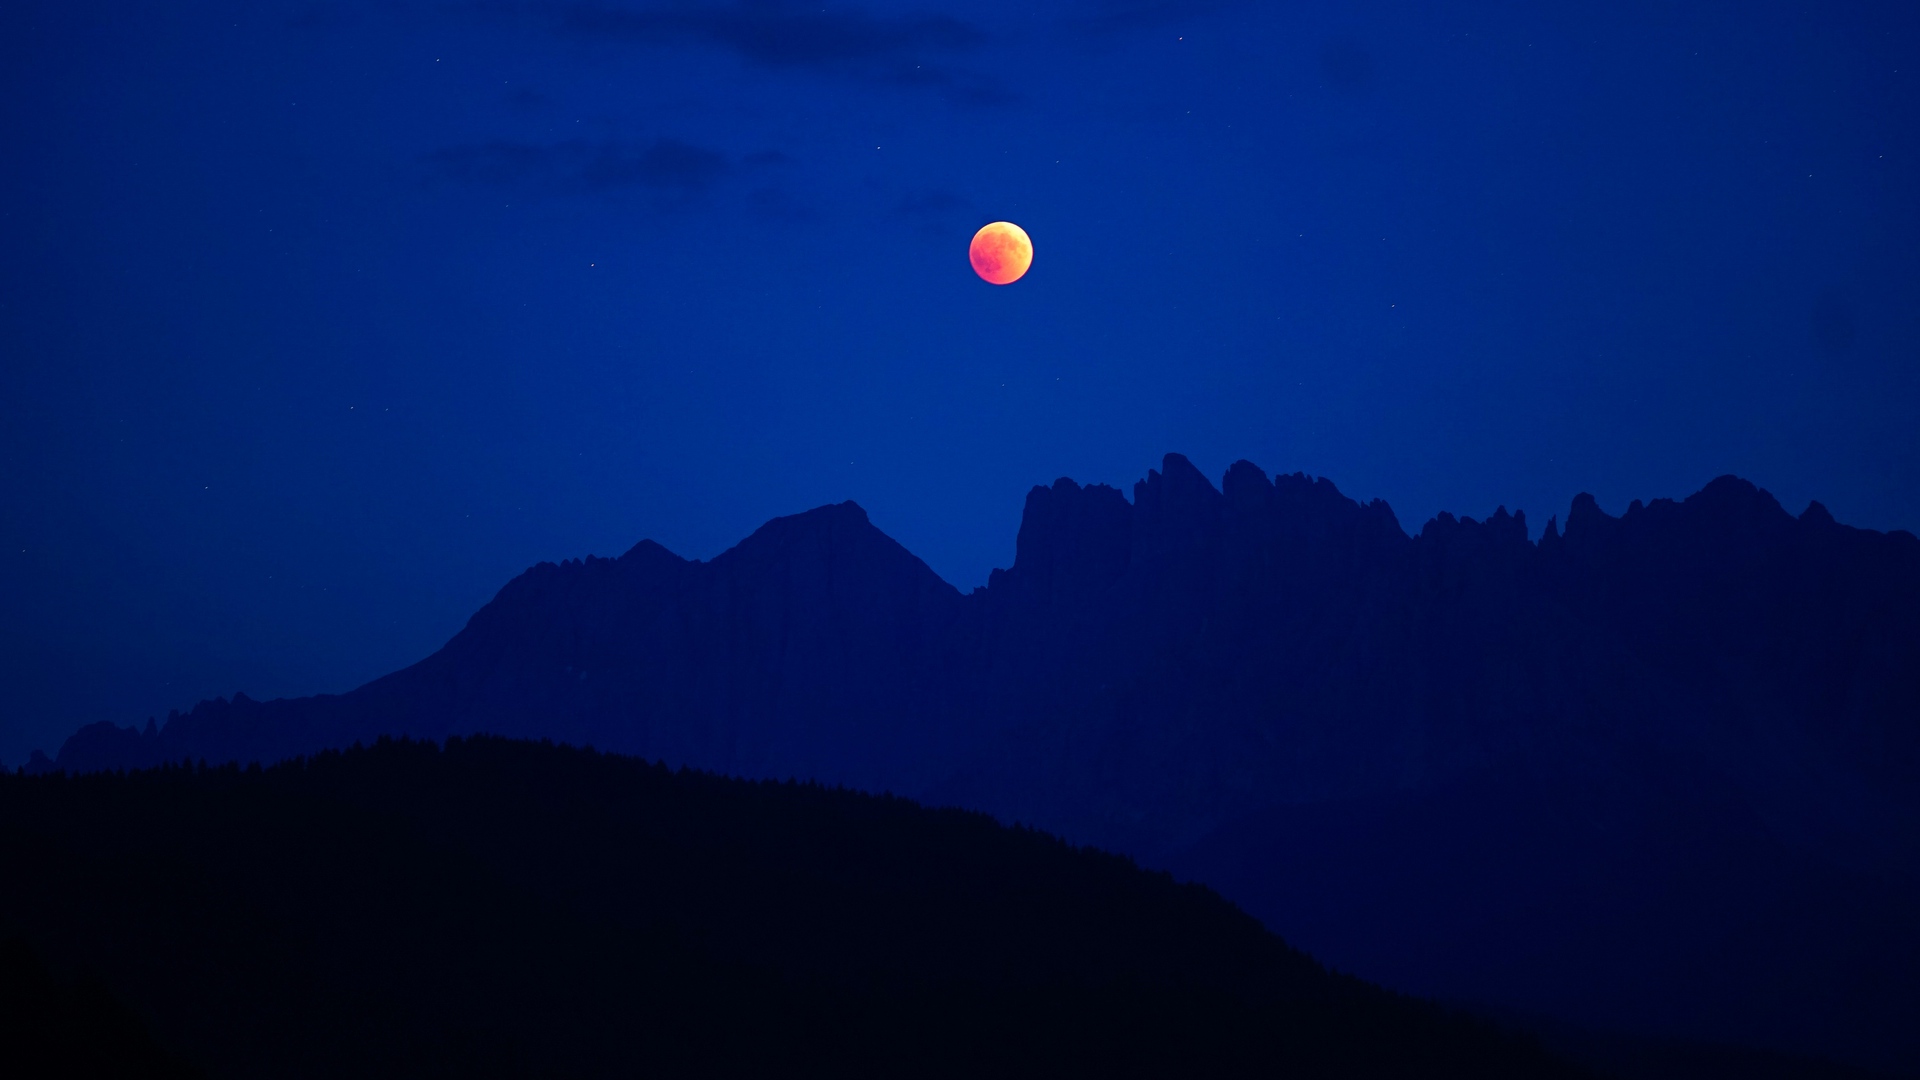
column 319, row 321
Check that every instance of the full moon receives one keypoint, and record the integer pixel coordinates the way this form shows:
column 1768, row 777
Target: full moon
column 1000, row 252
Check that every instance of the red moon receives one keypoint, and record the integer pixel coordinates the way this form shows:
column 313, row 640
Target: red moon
column 1000, row 252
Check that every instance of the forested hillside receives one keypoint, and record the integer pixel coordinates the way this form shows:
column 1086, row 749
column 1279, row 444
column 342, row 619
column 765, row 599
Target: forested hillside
column 500, row 908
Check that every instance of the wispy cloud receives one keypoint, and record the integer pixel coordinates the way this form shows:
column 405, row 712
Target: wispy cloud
column 1118, row 16
column 775, row 33
column 905, row 50
column 665, row 166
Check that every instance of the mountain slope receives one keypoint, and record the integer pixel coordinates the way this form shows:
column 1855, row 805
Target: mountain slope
column 511, row 908
column 813, row 648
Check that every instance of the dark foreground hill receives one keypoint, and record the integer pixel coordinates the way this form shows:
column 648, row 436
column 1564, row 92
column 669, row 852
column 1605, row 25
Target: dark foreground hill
column 1658, row 771
column 52, row 1027
column 499, row 908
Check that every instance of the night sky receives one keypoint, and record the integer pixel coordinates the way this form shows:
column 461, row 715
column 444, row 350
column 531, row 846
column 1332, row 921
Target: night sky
column 319, row 321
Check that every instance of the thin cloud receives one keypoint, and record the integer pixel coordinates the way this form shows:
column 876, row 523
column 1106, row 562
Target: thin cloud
column 1120, row 16
column 664, row 166
column 777, row 204
column 667, row 165
column 496, row 162
column 775, row 34
column 901, row 51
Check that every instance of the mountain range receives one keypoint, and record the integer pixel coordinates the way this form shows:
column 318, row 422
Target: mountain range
column 1657, row 772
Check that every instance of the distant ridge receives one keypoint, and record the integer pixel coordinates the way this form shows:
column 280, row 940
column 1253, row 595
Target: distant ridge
column 1672, row 758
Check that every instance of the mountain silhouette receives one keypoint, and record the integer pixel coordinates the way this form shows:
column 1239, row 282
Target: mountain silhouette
column 501, row 908
column 1659, row 771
